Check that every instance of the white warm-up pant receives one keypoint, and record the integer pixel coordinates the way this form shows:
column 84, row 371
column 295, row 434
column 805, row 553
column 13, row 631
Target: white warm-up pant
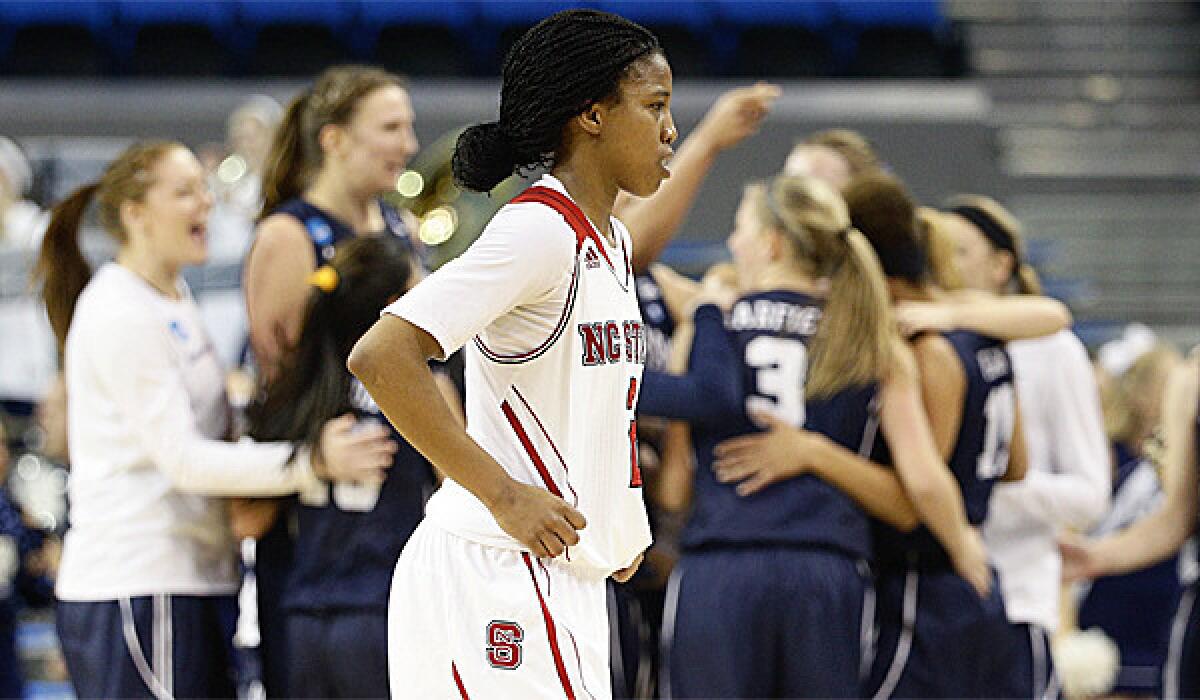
column 466, row 620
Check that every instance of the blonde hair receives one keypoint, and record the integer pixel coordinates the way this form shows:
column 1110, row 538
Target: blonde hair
column 939, row 249
column 61, row 271
column 852, row 346
column 860, row 156
column 1025, row 277
column 1123, row 421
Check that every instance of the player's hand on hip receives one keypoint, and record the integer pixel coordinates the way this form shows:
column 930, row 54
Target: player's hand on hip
column 623, row 575
column 350, row 450
column 542, row 522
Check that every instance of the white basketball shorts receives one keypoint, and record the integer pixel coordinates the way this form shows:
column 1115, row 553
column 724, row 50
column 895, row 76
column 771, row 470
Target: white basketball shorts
column 466, row 620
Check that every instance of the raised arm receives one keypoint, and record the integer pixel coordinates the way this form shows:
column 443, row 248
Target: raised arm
column 653, row 221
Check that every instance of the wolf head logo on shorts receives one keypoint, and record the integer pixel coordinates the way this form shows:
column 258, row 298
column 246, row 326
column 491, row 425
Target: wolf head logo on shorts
column 504, row 644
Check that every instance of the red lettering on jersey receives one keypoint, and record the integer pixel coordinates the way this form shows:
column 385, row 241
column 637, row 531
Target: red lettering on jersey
column 612, row 337
column 504, row 644
column 593, row 343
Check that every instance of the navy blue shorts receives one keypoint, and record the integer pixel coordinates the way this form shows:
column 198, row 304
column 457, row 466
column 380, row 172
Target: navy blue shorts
column 764, row 622
column 1032, row 673
column 150, row 646
column 937, row 638
column 339, row 654
column 1181, row 673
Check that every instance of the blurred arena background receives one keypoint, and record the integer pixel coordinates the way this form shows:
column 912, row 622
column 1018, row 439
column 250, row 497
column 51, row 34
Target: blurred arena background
column 1082, row 115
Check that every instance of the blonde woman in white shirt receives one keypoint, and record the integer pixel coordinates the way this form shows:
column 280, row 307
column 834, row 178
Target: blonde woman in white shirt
column 148, row 571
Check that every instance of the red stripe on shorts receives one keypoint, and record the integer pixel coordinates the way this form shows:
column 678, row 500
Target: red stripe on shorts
column 551, row 631
column 462, row 690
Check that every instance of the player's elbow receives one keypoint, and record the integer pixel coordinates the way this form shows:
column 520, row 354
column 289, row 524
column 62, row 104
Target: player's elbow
column 361, row 359
column 906, row 520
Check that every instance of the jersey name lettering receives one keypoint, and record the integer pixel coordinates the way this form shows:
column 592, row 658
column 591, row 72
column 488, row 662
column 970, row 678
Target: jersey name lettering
column 607, row 342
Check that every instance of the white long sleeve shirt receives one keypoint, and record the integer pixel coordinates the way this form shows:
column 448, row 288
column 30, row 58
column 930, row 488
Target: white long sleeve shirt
column 1069, row 478
column 146, row 414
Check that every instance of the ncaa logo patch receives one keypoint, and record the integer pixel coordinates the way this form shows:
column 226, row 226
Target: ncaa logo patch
column 504, row 644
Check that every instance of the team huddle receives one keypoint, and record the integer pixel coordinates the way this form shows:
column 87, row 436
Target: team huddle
column 838, row 466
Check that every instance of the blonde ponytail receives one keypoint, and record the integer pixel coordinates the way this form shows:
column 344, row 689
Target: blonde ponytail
column 852, row 345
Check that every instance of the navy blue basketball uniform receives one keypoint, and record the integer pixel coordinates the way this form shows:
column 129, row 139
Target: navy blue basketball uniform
column 936, row 636
column 347, row 539
column 275, row 551
column 166, row 646
column 1136, row 609
column 767, row 599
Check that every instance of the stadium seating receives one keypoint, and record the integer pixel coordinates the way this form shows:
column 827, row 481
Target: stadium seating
column 759, row 38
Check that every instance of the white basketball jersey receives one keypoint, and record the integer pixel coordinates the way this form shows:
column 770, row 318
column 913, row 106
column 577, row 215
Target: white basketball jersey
column 552, row 381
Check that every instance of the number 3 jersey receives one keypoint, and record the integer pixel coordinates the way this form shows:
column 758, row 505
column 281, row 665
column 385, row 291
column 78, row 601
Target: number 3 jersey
column 546, row 308
column 980, row 455
column 757, row 360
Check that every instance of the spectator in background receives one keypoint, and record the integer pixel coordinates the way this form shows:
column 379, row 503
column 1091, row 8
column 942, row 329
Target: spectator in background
column 22, row 576
column 22, row 222
column 1136, row 609
column 237, row 179
column 27, row 359
column 836, row 156
column 148, row 569
column 1067, row 484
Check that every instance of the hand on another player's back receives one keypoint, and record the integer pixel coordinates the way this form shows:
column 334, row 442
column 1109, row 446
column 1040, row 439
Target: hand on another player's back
column 544, row 523
column 971, row 562
column 349, row 451
column 1078, row 562
column 758, row 460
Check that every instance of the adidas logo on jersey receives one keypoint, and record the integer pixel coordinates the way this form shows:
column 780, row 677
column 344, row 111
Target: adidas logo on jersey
column 590, row 259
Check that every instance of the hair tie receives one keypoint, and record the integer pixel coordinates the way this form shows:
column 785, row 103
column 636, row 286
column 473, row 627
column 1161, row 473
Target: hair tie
column 325, row 278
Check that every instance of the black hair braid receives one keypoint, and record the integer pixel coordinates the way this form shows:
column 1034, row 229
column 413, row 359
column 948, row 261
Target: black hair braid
column 557, row 69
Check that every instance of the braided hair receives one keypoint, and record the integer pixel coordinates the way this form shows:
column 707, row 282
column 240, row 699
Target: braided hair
column 556, row 70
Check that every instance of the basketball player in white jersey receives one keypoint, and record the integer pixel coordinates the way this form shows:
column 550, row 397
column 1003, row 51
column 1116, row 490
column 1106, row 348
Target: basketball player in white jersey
column 501, row 590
